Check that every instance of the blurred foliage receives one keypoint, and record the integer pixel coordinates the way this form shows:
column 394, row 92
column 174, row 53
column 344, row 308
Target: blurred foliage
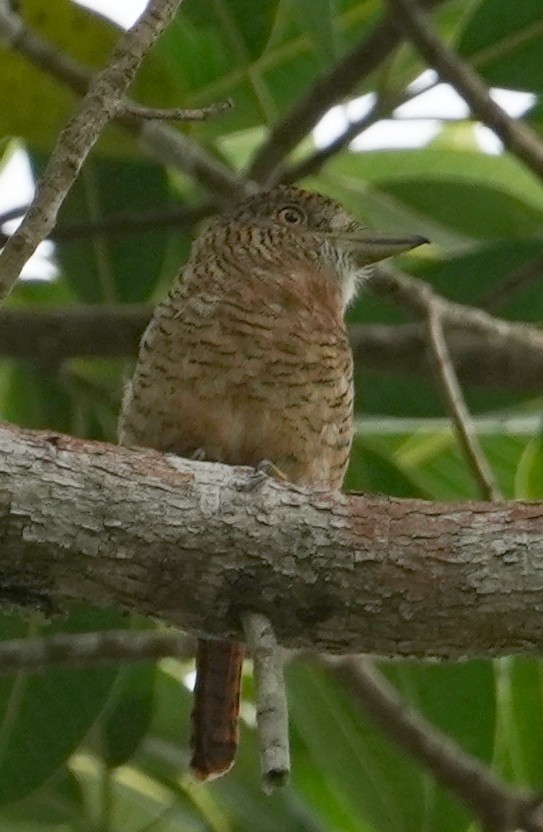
column 106, row 749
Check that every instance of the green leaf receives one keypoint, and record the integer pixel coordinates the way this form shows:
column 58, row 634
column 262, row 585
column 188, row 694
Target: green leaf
column 128, row 715
column 245, row 32
column 377, row 473
column 432, row 188
column 59, row 800
column 520, row 682
column 45, row 716
column 36, row 105
column 529, row 473
column 505, row 41
column 318, row 17
column 125, row 267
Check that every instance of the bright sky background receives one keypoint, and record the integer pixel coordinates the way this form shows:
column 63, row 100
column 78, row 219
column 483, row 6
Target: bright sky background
column 420, row 123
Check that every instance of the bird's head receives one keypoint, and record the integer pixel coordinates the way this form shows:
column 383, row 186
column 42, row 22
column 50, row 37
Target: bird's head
column 320, row 229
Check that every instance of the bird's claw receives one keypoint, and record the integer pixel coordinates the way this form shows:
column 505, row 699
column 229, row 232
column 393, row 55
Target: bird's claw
column 264, row 470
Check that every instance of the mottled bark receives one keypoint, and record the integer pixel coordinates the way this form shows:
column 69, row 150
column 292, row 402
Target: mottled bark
column 196, row 543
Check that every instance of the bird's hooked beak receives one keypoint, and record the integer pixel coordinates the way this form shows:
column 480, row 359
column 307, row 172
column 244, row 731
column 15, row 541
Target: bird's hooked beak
column 372, row 246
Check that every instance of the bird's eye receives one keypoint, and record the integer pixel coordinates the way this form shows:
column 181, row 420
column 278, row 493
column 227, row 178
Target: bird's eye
column 292, row 215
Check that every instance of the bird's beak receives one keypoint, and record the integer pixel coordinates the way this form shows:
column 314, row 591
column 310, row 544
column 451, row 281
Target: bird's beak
column 371, row 246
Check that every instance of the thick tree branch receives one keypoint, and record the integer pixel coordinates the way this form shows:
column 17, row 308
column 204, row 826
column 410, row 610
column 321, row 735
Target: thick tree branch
column 189, row 543
column 76, row 140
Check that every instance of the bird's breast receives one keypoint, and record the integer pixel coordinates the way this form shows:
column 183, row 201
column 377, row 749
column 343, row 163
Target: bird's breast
column 244, row 379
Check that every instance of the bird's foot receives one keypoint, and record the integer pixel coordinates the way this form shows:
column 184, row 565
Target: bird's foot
column 263, row 471
column 268, row 469
column 199, row 455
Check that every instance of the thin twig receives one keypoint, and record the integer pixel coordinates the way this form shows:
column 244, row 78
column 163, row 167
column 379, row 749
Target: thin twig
column 499, row 807
column 175, row 113
column 315, row 161
column 517, row 137
column 12, row 214
column 79, row 136
column 382, row 108
column 418, row 297
column 456, row 405
column 180, row 217
column 271, row 700
column 182, row 152
column 87, row 649
column 520, row 278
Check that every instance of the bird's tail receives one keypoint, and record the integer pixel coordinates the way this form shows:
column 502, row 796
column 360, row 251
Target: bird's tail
column 215, row 712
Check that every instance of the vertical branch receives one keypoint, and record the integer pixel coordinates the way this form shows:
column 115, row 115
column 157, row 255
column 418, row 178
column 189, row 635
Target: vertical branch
column 456, row 405
column 271, row 701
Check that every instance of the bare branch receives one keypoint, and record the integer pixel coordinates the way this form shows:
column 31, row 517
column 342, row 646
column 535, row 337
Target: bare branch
column 180, row 151
column 485, row 351
column 456, row 405
column 314, row 102
column 517, row 137
column 499, row 807
column 527, row 274
column 344, row 76
column 419, row 297
column 78, row 137
column 175, row 113
column 84, row 649
column 133, row 529
column 180, row 217
column 271, row 701
column 313, row 163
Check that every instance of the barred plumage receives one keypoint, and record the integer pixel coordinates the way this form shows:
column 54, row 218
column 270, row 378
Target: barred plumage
column 246, row 359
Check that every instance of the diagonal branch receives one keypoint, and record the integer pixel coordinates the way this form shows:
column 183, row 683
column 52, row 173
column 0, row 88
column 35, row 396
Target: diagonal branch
column 163, row 142
column 456, row 405
column 517, row 137
column 499, row 807
column 79, row 136
column 344, row 76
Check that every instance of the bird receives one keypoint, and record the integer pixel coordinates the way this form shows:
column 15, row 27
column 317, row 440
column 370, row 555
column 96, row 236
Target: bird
column 247, row 359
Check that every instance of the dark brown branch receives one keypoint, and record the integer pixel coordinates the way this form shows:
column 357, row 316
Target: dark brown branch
column 180, row 217
column 498, row 807
column 133, row 529
column 485, row 351
column 369, row 53
column 518, row 138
